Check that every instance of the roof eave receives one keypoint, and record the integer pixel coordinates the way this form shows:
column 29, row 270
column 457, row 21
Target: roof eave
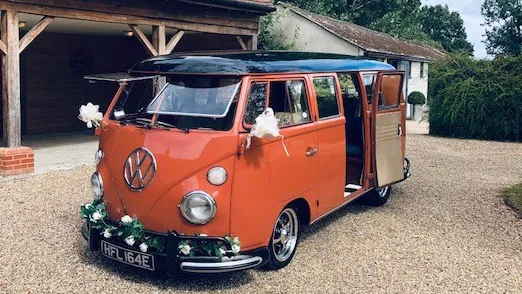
column 399, row 56
column 247, row 6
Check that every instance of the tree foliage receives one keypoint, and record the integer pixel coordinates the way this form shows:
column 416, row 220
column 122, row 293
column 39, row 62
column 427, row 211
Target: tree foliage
column 446, row 27
column 416, row 98
column 476, row 98
column 505, row 19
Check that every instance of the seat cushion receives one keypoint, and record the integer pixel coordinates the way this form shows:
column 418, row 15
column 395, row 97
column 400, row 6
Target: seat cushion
column 353, row 150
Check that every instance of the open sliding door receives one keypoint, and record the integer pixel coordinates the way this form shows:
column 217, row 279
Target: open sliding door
column 389, row 129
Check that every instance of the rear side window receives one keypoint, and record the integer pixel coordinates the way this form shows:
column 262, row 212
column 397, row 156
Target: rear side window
column 390, row 94
column 326, row 93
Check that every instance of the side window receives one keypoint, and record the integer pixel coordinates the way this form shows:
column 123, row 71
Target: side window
column 289, row 101
column 369, row 81
column 326, row 93
column 257, row 100
column 351, row 92
column 390, row 93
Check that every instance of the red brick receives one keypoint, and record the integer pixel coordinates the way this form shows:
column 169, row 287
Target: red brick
column 21, row 156
column 7, row 157
column 30, row 165
column 20, row 166
column 11, row 162
column 27, row 160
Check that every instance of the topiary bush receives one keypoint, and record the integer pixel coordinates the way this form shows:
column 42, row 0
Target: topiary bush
column 416, row 98
column 479, row 99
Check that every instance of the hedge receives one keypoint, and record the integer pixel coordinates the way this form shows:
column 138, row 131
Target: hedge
column 478, row 99
column 416, row 98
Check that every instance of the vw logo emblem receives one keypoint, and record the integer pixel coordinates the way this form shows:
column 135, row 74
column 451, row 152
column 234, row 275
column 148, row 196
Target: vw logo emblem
column 140, row 169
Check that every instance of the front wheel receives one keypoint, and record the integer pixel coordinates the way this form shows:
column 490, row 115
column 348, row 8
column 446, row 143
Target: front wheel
column 284, row 239
column 378, row 196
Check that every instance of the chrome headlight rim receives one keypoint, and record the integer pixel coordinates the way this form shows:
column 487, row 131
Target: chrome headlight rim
column 100, row 186
column 217, row 169
column 208, row 197
column 98, row 156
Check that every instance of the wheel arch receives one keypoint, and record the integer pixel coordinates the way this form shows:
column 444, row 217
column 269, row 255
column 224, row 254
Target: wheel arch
column 303, row 210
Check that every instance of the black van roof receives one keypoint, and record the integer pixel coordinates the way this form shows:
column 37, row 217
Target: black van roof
column 255, row 62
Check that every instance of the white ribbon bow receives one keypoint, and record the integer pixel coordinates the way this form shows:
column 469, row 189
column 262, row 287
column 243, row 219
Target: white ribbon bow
column 266, row 126
column 91, row 115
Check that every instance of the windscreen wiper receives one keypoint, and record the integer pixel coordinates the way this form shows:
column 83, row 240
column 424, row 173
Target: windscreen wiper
column 169, row 126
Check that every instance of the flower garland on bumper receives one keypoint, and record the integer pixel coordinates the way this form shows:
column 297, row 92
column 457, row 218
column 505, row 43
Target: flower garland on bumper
column 131, row 231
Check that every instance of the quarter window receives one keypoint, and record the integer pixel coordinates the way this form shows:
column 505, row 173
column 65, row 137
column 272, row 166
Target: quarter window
column 326, row 93
column 257, row 100
column 369, row 81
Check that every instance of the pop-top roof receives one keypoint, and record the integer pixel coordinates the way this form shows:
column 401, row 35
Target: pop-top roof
column 373, row 42
column 255, row 62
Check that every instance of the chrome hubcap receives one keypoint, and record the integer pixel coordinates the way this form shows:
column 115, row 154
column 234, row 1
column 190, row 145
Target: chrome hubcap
column 285, row 235
column 382, row 191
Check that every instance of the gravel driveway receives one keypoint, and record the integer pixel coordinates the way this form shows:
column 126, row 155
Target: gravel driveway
column 444, row 230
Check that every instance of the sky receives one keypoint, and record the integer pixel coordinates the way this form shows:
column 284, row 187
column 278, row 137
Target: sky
column 470, row 12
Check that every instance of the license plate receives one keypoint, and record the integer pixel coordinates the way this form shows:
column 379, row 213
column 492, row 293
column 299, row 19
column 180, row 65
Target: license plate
column 130, row 257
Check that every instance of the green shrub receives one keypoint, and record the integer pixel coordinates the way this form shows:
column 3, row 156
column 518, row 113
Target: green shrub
column 480, row 99
column 416, row 98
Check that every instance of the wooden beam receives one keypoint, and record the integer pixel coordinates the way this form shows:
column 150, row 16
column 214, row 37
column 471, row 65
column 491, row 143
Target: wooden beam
column 12, row 122
column 143, row 39
column 124, row 17
column 159, row 39
column 242, row 43
column 174, row 41
column 3, row 47
column 34, row 32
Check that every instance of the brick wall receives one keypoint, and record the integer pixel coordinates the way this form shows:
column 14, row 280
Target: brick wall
column 15, row 161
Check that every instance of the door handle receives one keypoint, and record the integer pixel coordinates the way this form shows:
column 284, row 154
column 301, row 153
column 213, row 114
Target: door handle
column 399, row 131
column 311, row 152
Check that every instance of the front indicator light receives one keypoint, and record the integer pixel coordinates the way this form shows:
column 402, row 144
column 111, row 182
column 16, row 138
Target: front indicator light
column 217, row 176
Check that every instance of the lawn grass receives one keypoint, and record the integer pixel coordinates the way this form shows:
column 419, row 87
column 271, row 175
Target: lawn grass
column 513, row 198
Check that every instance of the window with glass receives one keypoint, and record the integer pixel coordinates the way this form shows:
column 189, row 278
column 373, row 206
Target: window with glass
column 390, row 93
column 369, row 82
column 288, row 99
column 326, row 93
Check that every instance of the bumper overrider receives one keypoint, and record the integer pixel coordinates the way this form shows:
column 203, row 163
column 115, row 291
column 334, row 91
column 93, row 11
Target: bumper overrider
column 170, row 260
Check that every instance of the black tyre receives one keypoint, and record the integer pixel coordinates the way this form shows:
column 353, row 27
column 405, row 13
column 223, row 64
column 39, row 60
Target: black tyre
column 378, row 196
column 285, row 237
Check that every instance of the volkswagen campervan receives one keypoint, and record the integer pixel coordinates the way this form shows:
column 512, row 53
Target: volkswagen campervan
column 177, row 187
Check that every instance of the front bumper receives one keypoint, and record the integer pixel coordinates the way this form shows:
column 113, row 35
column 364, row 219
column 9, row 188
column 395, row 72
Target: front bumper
column 170, row 261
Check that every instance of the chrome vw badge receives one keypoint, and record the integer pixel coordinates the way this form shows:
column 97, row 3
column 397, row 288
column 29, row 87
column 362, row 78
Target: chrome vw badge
column 140, row 169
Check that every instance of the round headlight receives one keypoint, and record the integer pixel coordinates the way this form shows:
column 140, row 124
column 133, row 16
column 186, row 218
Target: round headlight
column 217, row 176
column 198, row 207
column 97, row 186
column 98, row 156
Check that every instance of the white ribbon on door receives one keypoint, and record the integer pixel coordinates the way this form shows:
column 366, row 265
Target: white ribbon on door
column 91, row 115
column 266, row 126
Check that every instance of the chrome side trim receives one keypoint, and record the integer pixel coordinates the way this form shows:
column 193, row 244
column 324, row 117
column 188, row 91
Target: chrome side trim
column 220, row 267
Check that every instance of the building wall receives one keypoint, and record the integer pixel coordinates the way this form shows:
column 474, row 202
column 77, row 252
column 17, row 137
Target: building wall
column 307, row 36
column 419, row 84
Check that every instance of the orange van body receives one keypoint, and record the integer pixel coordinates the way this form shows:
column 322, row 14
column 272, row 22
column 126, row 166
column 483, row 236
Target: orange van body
column 261, row 181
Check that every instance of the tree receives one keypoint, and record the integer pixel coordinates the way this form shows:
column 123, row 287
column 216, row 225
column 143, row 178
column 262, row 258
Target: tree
column 505, row 19
column 445, row 27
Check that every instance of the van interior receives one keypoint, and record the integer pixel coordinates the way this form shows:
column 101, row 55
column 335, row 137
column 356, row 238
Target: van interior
column 353, row 111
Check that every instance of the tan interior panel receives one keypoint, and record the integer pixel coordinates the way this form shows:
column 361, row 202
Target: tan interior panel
column 388, row 148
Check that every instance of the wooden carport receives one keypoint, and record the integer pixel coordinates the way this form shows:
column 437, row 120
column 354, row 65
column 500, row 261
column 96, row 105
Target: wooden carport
column 228, row 17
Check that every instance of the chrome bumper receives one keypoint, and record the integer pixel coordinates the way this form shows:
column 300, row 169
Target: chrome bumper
column 236, row 263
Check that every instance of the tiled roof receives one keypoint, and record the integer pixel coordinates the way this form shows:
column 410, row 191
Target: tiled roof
column 373, row 42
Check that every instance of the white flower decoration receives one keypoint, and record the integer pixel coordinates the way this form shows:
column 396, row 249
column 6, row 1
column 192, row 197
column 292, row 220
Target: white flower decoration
column 126, row 219
column 222, row 251
column 91, row 115
column 96, row 216
column 107, row 233
column 236, row 248
column 236, row 240
column 130, row 240
column 185, row 249
column 144, row 247
column 88, row 206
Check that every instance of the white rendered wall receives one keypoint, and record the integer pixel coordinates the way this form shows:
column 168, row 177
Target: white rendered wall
column 419, row 84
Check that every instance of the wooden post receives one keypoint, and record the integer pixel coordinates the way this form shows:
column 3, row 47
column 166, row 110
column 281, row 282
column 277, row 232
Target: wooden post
column 159, row 39
column 11, row 80
column 242, row 43
column 252, row 42
column 174, row 41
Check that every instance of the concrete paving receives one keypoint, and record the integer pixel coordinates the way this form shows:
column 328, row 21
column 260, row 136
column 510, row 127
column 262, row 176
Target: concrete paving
column 62, row 151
